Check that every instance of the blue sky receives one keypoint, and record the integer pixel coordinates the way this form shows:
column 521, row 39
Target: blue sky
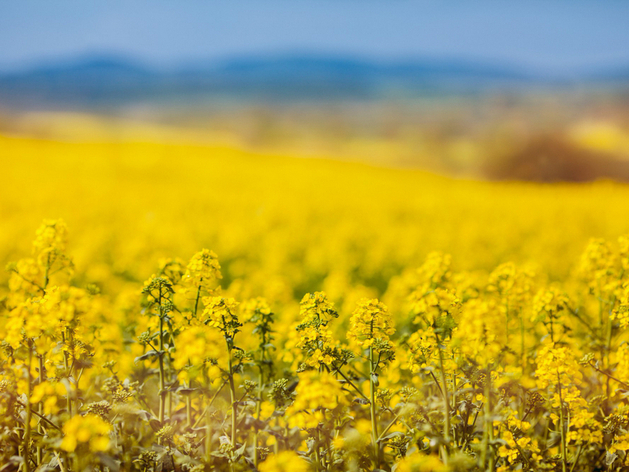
column 545, row 35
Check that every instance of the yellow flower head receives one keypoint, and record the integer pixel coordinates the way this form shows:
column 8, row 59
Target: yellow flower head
column 621, row 310
column 195, row 345
column 220, row 313
column 435, row 271
column 315, row 392
column 49, row 393
column 203, row 270
column 549, row 303
column 315, row 307
column 255, row 310
column 51, row 235
column 599, row 267
column 513, row 284
column 89, row 430
column 370, row 321
column 418, row 462
column 284, row 461
column 557, row 365
column 173, row 269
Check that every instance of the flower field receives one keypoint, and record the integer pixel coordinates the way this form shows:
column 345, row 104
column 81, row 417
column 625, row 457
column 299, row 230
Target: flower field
column 186, row 307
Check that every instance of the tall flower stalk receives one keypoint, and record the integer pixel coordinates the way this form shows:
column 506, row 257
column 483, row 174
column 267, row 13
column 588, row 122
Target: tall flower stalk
column 371, row 326
column 220, row 314
column 159, row 292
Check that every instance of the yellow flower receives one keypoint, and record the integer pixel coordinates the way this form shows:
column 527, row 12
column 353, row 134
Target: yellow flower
column 285, row 461
column 418, row 462
column 315, row 339
column 435, row 271
column 621, row 311
column 621, row 443
column 622, row 357
column 557, row 366
column 315, row 392
column 173, row 269
column 512, row 283
column 255, row 310
column 28, row 320
column 202, row 271
column 25, row 273
column 266, row 410
column 430, row 305
column 51, row 235
column 599, row 267
column 549, row 303
column 90, row 430
column 49, row 393
column 316, row 307
column 421, row 346
column 482, row 332
column 220, row 313
column 158, row 289
column 370, row 321
column 196, row 345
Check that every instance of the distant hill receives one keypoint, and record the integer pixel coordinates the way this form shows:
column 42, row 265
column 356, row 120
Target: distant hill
column 110, row 81
column 615, row 75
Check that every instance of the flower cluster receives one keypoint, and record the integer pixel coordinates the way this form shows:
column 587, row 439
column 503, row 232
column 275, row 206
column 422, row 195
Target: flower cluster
column 371, row 324
column 89, row 431
column 220, row 313
column 499, row 370
column 315, row 394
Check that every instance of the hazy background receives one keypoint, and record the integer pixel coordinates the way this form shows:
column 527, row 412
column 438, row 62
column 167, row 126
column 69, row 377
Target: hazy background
column 488, row 89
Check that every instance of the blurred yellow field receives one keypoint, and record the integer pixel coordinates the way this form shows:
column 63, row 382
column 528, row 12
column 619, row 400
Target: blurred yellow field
column 300, row 219
column 271, row 348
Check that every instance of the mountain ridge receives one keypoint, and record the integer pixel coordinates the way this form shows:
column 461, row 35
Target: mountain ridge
column 110, row 78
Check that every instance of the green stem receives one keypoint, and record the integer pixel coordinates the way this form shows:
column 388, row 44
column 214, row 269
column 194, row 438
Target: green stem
column 328, row 445
column 207, row 408
column 585, row 323
column 608, row 344
column 317, row 453
column 601, row 324
column 359, row 391
column 446, row 399
column 258, row 410
column 189, row 409
column 47, row 273
column 232, row 393
column 487, row 458
column 196, row 302
column 372, row 407
column 208, row 437
column 608, row 375
column 162, row 380
column 561, row 425
column 507, row 321
column 59, row 461
column 552, row 332
column 66, row 363
column 522, row 346
column 189, row 396
column 40, row 427
column 41, row 417
column 29, row 414
column 386, row 430
column 576, row 460
column 208, row 421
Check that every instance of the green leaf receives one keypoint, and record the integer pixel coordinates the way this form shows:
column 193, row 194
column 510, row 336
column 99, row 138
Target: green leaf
column 146, row 355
